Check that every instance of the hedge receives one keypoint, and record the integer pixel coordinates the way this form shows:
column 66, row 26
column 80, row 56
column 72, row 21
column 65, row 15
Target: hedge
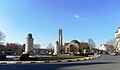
column 2, row 56
column 58, row 58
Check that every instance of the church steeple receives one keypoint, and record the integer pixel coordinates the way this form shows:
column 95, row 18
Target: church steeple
column 60, row 39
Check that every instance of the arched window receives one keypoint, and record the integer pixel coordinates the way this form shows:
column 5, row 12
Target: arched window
column 71, row 48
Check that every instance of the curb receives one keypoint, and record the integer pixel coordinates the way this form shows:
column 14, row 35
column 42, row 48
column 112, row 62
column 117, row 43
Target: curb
column 57, row 61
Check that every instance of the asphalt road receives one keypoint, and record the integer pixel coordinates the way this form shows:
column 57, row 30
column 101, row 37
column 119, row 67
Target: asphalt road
column 106, row 62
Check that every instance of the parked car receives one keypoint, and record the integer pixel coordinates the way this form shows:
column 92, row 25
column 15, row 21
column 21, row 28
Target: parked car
column 113, row 53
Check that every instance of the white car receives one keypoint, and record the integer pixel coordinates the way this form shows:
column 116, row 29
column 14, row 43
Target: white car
column 113, row 53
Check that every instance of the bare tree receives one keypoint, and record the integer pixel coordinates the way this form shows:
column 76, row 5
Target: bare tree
column 83, row 46
column 50, row 47
column 2, row 37
column 36, row 48
column 37, row 45
column 14, row 47
column 111, row 42
column 91, row 43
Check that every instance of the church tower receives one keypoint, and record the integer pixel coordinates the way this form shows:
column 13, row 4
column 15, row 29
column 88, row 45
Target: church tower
column 60, row 40
column 29, row 44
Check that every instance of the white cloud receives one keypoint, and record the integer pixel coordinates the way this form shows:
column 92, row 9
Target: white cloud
column 76, row 16
column 79, row 17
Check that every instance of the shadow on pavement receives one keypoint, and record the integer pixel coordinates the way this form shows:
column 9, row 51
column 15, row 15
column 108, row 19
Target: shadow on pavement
column 46, row 66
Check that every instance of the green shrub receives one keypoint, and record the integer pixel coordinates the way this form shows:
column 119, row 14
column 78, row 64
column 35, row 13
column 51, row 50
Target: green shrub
column 2, row 56
column 58, row 58
column 33, row 59
column 82, row 54
column 24, row 57
column 91, row 53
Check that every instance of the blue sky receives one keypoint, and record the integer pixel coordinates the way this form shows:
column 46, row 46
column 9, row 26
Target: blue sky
column 79, row 19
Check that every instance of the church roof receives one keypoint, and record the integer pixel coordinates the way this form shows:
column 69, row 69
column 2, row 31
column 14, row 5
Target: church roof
column 74, row 41
column 29, row 35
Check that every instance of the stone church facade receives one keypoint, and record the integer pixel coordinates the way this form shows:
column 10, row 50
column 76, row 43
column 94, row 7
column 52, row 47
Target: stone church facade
column 76, row 47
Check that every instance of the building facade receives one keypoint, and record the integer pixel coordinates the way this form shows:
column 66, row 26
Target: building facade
column 117, row 39
column 76, row 47
column 106, row 48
